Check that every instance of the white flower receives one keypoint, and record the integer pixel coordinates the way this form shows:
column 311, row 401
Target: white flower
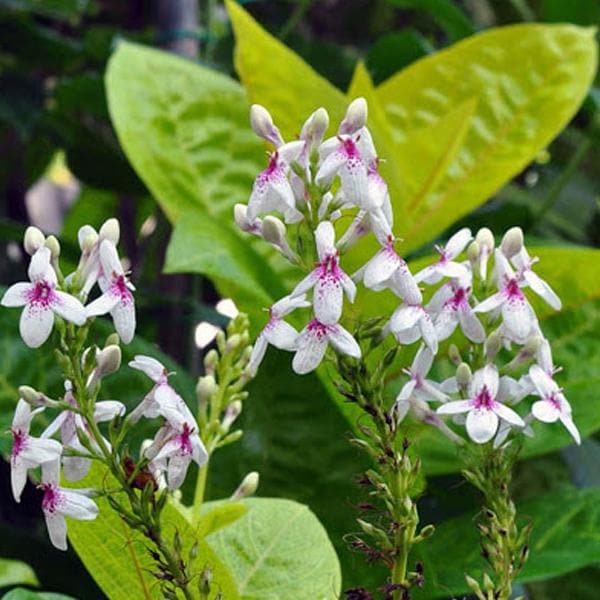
column 272, row 192
column 276, row 332
column 176, row 444
column 523, row 262
column 445, row 265
column 553, row 405
column 418, row 386
column 116, row 297
column 410, row 322
column 69, row 423
column 240, row 216
column 59, row 502
column 28, row 452
column 328, row 280
column 312, row 343
column 387, row 270
column 41, row 300
column 484, row 407
column 457, row 310
column 518, row 316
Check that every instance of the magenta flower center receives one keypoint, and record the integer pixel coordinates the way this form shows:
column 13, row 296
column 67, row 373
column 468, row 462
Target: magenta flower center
column 483, row 400
column 317, row 328
column 459, row 300
column 41, row 293
column 52, row 497
column 185, row 444
column 512, row 290
column 350, row 149
column 119, row 287
column 555, row 401
column 19, row 442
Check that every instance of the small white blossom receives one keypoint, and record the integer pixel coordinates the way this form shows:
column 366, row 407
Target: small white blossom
column 411, row 322
column 523, row 262
column 312, row 343
column 455, row 309
column 446, row 265
column 42, row 300
column 484, row 407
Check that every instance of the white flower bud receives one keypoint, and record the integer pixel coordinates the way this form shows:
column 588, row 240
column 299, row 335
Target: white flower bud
column 34, row 239
column 473, row 250
column 356, row 117
column 261, row 122
column 240, row 216
column 248, row 486
column 493, row 344
column 273, row 230
column 463, row 375
column 211, row 360
column 32, row 396
column 111, row 231
column 206, row 387
column 512, row 242
column 232, row 412
column 87, row 237
column 108, row 360
column 485, row 239
column 53, row 245
column 315, row 127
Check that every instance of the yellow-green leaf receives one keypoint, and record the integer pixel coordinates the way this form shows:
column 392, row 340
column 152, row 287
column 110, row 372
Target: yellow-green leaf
column 527, row 82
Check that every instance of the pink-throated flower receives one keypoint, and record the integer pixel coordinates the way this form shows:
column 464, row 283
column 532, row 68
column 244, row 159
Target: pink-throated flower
column 388, row 270
column 328, row 280
column 553, row 405
column 276, row 332
column 69, row 423
column 484, row 407
column 517, row 315
column 523, row 262
column 59, row 502
column 28, row 452
column 455, row 309
column 41, row 300
column 410, row 322
column 312, row 343
column 117, row 297
column 446, row 266
column 272, row 192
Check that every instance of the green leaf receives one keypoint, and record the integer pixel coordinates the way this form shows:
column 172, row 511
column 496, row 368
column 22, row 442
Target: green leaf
column 527, row 82
column 23, row 594
column 214, row 515
column 564, row 538
column 279, row 550
column 15, row 572
column 117, row 557
column 277, row 77
column 185, row 130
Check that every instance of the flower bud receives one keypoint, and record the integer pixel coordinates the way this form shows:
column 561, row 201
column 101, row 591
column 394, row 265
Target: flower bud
column 33, row 397
column 454, row 354
column 206, row 387
column 211, row 360
column 473, row 250
column 427, row 532
column 493, row 344
column 488, row 584
column 273, row 230
column 356, row 117
column 485, row 239
column 473, row 586
column 34, row 239
column 315, row 127
column 204, row 583
column 232, row 412
column 261, row 122
column 512, row 242
column 87, row 237
column 111, row 231
column 53, row 245
column 463, row 375
column 108, row 360
column 248, row 486
column 112, row 340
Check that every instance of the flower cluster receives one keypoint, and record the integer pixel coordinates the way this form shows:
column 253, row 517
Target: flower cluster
column 308, row 187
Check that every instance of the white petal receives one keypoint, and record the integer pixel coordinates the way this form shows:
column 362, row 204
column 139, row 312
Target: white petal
column 488, row 377
column 16, row 295
column 490, row 303
column 509, row 415
column 23, row 415
column 481, row 425
column 428, row 332
column 453, row 270
column 502, row 266
column 150, row 366
column 567, row 421
column 40, row 268
column 405, row 393
column 405, row 317
column 348, row 286
column 328, row 299
column 177, row 470
column 458, row 242
column 199, row 453
column 18, row 477
column 258, row 353
column 77, row 506
column 102, row 305
column 287, row 304
column 343, row 342
column 445, row 323
column 455, row 407
column 426, row 273
column 75, row 467
column 381, row 267
column 107, row 410
column 545, row 411
column 109, row 258
column 542, row 289
column 69, row 308
column 403, row 284
column 311, row 349
column 281, row 335
column 305, row 284
column 57, row 529
column 439, row 298
column 38, row 451
column 471, row 326
column 325, row 240
column 36, row 324
column 543, row 382
column 123, row 315
column 518, row 318
column 330, row 166
column 354, row 182
column 408, row 336
column 422, row 361
column 544, row 356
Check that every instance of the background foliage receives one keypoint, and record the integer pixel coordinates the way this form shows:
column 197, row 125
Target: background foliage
column 164, row 144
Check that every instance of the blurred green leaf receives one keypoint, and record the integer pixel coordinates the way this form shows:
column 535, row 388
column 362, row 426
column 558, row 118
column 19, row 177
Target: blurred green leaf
column 215, row 515
column 445, row 13
column 526, row 81
column 565, row 538
column 23, row 594
column 279, row 550
column 64, row 10
column 117, row 557
column 582, row 12
column 15, row 572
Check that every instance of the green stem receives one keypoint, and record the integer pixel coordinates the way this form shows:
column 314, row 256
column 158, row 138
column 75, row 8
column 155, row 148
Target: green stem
column 200, row 488
column 298, row 13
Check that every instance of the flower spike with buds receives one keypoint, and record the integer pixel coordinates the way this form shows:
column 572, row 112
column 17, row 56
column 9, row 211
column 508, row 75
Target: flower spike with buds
column 42, row 300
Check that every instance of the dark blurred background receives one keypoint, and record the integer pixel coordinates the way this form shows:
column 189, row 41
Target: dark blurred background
column 61, row 165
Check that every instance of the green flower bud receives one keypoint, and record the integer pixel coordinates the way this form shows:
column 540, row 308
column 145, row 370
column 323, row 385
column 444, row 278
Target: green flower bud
column 463, row 375
column 53, row 245
column 248, row 486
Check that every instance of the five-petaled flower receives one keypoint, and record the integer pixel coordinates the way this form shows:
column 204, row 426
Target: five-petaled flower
column 42, row 300
column 485, row 406
column 452, row 308
column 328, row 280
column 117, row 297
